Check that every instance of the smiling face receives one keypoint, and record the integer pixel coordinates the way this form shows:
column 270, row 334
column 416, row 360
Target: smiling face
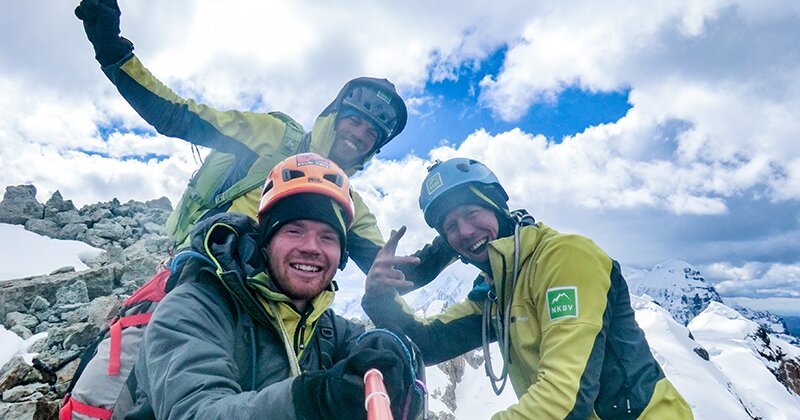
column 469, row 228
column 303, row 257
column 355, row 137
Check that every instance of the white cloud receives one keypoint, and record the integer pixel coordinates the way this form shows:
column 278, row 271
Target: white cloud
column 758, row 279
column 705, row 166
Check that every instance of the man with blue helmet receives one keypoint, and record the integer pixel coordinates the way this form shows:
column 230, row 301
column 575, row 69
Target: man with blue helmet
column 556, row 304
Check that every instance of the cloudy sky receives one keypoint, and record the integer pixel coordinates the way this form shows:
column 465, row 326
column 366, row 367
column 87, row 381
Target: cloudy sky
column 662, row 130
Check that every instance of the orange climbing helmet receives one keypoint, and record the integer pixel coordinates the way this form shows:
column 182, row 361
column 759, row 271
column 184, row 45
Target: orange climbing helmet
column 307, row 173
column 307, row 186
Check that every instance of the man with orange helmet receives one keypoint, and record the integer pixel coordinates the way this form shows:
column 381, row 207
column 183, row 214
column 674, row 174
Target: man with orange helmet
column 271, row 347
column 366, row 115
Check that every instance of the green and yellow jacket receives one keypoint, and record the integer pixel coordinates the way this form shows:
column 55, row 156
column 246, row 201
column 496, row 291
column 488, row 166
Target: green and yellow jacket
column 245, row 147
column 576, row 350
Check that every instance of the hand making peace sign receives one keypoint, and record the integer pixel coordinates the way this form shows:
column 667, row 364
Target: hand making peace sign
column 383, row 276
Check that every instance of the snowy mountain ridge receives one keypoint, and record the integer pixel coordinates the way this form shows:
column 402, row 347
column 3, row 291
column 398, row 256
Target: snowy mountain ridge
column 684, row 292
column 676, row 286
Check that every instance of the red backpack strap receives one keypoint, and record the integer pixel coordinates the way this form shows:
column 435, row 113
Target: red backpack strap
column 71, row 405
column 154, row 290
column 116, row 338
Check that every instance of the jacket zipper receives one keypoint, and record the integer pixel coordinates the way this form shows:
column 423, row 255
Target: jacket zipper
column 299, row 334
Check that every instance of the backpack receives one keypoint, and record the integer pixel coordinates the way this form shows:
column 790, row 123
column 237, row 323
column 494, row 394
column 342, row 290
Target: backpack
column 224, row 177
column 101, row 382
column 106, row 365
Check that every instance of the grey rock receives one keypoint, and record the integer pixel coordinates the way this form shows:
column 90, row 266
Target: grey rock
column 30, row 410
column 39, row 304
column 73, row 231
column 23, row 411
column 79, row 335
column 162, row 203
column 62, row 270
column 137, row 271
column 157, row 228
column 96, row 214
column 67, row 217
column 91, row 238
column 126, row 221
column 76, row 292
column 17, row 372
column 18, row 318
column 109, row 230
column 112, row 254
column 73, row 314
column 22, row 331
column 57, row 204
column 43, row 227
column 30, row 392
column 19, row 205
column 100, row 311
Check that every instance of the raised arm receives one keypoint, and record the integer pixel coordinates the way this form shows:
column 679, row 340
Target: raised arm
column 241, row 133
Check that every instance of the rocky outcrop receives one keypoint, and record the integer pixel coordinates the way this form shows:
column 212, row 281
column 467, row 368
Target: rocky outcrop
column 66, row 310
column 102, row 225
column 19, row 205
column 785, row 368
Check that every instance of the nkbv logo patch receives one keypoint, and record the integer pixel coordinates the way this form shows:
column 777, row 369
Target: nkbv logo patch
column 562, row 302
column 434, row 183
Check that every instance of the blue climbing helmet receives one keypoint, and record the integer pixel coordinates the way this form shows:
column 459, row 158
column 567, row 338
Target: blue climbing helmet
column 459, row 181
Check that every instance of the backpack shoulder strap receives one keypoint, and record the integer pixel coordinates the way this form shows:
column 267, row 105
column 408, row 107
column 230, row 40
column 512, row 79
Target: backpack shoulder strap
column 328, row 339
column 224, row 177
column 293, row 136
column 291, row 144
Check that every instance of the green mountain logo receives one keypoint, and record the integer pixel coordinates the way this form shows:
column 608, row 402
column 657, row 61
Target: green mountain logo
column 562, row 302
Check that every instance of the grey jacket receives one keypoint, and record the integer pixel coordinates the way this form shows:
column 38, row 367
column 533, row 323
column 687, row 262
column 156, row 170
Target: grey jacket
column 205, row 356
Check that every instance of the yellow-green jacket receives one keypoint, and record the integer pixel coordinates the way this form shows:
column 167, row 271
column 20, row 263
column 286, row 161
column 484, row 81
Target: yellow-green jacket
column 245, row 147
column 576, row 350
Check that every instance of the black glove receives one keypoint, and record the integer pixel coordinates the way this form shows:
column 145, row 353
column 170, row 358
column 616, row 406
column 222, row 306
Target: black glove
column 400, row 377
column 338, row 393
column 101, row 23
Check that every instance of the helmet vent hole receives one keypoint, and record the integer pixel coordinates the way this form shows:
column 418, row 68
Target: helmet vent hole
column 463, row 167
column 336, row 179
column 267, row 188
column 289, row 174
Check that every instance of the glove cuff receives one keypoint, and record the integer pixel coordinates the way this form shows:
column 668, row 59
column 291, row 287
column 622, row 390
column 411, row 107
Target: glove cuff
column 109, row 53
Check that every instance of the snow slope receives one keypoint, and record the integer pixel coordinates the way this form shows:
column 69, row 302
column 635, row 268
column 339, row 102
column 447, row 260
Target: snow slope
column 733, row 347
column 26, row 254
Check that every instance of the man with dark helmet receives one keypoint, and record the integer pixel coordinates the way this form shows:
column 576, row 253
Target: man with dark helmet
column 556, row 304
column 366, row 114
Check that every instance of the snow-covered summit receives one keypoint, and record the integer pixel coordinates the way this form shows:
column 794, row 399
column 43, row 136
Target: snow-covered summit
column 676, row 286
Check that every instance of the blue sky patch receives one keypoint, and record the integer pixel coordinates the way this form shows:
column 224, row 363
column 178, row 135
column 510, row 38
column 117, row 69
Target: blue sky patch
column 452, row 112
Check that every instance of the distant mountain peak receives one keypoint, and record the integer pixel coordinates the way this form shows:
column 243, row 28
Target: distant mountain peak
column 675, row 285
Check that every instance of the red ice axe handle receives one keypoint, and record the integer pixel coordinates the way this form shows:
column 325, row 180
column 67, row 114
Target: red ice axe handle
column 376, row 400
